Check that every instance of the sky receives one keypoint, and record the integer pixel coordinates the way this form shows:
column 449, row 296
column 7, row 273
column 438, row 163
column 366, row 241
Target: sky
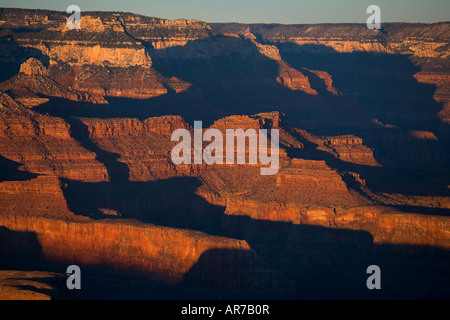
column 259, row 11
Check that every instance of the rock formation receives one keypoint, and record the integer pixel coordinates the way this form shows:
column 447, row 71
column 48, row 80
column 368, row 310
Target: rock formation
column 86, row 176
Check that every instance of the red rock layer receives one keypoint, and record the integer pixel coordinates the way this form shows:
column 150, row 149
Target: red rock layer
column 26, row 285
column 294, row 79
column 144, row 146
column 42, row 196
column 164, row 253
column 350, row 149
column 44, row 145
column 386, row 227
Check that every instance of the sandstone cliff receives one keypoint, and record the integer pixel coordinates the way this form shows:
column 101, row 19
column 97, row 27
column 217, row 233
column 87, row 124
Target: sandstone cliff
column 44, row 144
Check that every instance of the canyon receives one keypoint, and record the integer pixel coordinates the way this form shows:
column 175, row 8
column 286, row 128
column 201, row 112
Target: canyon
column 86, row 175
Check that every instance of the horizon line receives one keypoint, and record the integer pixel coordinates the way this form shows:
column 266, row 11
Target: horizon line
column 229, row 22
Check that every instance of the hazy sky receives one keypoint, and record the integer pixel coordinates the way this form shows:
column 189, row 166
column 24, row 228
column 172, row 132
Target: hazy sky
column 267, row 11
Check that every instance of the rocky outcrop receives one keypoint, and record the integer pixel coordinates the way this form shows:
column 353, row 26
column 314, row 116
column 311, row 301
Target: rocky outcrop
column 33, row 66
column 418, row 39
column 144, row 146
column 35, row 89
column 385, row 227
column 163, row 253
column 294, row 79
column 80, row 54
column 14, row 282
column 303, row 172
column 76, row 61
column 350, row 149
column 44, row 145
column 42, row 196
